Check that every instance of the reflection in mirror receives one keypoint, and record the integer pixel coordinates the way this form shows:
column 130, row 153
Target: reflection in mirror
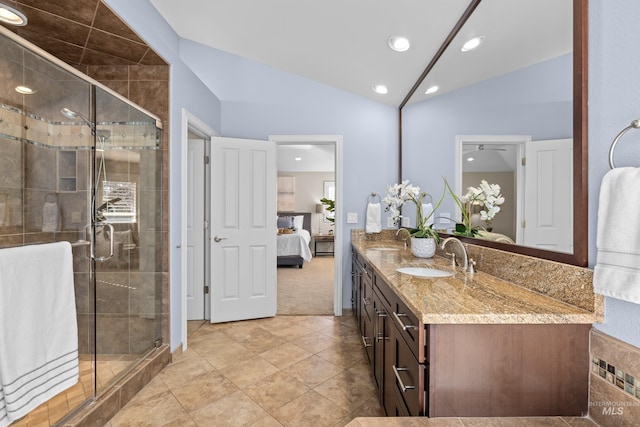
column 496, row 160
column 538, row 208
column 519, row 81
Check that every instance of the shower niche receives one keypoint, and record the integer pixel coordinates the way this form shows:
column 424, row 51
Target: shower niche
column 80, row 163
column 67, row 171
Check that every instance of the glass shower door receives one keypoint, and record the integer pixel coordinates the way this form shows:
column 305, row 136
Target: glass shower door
column 128, row 239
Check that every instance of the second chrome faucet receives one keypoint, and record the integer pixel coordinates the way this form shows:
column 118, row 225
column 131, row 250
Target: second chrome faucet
column 468, row 264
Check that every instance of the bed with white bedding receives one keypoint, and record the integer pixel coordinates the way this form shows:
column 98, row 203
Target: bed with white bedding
column 293, row 244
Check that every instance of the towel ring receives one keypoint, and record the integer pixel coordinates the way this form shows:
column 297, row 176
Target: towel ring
column 373, row 197
column 430, row 197
column 634, row 125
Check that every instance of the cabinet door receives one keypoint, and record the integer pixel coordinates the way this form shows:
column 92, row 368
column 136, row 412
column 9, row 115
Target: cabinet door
column 366, row 328
column 381, row 338
column 355, row 286
column 367, row 291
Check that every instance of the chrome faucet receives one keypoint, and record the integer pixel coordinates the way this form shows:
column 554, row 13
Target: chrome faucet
column 468, row 264
column 408, row 238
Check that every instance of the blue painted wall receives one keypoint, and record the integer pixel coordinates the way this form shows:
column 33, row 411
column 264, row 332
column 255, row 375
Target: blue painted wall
column 614, row 101
column 535, row 101
column 186, row 91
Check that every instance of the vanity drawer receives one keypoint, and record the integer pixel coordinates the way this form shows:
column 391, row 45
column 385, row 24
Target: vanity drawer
column 408, row 377
column 409, row 328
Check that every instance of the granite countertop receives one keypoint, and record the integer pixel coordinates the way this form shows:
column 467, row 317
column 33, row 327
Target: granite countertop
column 464, row 297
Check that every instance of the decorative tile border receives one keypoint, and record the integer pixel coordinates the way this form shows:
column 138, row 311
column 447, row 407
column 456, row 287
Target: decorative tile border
column 629, row 382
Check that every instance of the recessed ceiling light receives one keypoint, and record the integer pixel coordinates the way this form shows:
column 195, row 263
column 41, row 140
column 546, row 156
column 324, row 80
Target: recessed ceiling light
column 25, row 90
column 297, row 158
column 399, row 43
column 381, row 89
column 432, row 89
column 11, row 16
column 470, row 159
column 472, row 44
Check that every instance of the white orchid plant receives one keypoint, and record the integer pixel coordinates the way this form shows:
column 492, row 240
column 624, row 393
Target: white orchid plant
column 486, row 195
column 398, row 195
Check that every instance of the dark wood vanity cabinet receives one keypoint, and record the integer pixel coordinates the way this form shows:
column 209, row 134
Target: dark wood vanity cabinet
column 393, row 340
column 468, row 370
column 400, row 373
column 356, row 285
column 363, row 303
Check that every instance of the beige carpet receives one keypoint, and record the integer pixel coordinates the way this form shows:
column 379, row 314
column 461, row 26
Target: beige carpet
column 308, row 290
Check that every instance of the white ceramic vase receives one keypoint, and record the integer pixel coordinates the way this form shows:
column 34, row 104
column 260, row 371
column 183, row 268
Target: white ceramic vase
column 422, row 247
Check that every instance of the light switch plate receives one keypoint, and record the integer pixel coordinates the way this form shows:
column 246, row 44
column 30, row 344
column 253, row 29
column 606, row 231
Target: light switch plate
column 406, row 222
column 390, row 223
column 352, row 217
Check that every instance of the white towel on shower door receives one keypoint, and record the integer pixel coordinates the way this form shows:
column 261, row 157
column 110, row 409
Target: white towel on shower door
column 38, row 326
column 617, row 270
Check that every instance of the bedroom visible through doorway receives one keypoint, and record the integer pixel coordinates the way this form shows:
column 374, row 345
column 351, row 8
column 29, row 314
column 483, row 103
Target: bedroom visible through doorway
column 306, row 170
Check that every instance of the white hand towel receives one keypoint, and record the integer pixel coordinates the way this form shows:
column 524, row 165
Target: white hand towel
column 427, row 208
column 617, row 270
column 374, row 218
column 39, row 339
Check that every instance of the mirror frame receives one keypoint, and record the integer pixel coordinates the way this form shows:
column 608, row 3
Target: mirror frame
column 580, row 142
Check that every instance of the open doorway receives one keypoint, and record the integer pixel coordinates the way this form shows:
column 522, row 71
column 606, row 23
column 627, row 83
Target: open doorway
column 309, row 172
column 195, row 148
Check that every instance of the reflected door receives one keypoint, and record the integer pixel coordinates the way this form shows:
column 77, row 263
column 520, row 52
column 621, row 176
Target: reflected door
column 549, row 195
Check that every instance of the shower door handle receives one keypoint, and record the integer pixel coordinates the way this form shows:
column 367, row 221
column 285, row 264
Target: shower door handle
column 111, row 242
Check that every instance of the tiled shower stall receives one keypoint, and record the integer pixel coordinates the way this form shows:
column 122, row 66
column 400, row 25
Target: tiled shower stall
column 80, row 163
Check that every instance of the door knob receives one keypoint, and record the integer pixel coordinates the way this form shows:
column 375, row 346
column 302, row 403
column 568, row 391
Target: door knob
column 219, row 239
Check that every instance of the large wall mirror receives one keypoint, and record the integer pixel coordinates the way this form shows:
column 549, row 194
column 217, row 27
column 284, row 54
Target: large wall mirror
column 520, row 94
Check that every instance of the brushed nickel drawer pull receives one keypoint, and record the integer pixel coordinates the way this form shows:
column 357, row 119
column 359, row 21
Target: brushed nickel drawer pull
column 364, row 342
column 404, row 327
column 364, row 301
column 402, row 386
column 381, row 337
column 381, row 313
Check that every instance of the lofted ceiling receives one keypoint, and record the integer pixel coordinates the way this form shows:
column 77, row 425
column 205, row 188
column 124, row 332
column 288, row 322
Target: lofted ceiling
column 335, row 42
column 344, row 43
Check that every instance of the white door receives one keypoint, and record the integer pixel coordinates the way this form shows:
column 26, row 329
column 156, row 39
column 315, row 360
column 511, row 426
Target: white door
column 195, row 230
column 243, row 229
column 549, row 195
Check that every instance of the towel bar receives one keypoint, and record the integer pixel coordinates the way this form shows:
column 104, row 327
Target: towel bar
column 373, row 197
column 634, row 125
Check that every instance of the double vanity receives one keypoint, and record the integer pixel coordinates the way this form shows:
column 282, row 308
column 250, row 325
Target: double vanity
column 511, row 339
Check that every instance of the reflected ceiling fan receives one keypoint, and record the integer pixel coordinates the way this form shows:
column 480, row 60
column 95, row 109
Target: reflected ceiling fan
column 484, row 147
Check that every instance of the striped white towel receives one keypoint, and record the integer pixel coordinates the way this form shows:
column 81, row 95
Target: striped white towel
column 617, row 270
column 38, row 327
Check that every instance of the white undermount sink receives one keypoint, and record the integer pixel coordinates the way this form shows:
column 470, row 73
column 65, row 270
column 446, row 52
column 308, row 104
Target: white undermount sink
column 424, row 272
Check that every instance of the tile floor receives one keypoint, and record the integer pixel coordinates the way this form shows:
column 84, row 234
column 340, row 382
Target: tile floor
column 284, row 371
column 281, row 371
column 110, row 368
